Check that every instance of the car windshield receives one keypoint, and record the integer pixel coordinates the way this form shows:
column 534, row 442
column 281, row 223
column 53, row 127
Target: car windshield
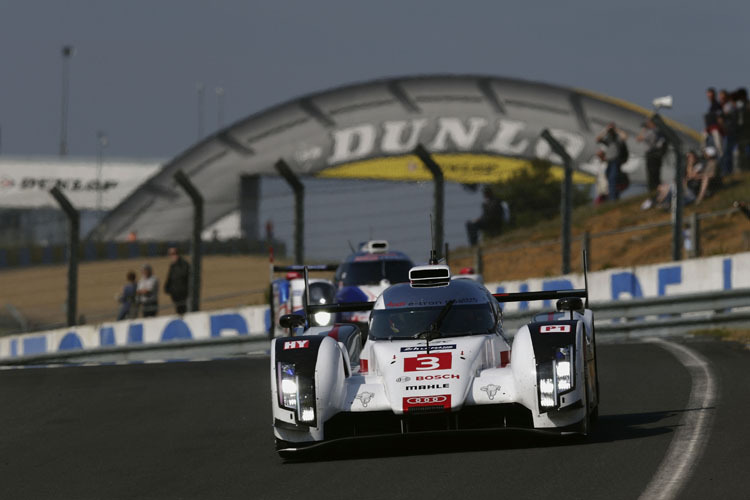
column 372, row 272
column 408, row 322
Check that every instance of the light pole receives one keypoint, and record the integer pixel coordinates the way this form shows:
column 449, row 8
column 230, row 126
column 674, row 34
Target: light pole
column 219, row 107
column 67, row 53
column 200, row 89
column 101, row 143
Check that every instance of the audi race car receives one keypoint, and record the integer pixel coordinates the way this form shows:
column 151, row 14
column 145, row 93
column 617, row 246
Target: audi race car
column 436, row 358
column 360, row 278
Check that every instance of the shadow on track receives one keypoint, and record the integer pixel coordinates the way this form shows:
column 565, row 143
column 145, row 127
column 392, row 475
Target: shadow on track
column 609, row 428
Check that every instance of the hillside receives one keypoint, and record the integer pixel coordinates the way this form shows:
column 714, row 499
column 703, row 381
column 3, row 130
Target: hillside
column 535, row 250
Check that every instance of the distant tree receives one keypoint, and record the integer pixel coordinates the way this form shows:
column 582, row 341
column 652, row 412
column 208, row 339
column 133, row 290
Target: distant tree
column 533, row 194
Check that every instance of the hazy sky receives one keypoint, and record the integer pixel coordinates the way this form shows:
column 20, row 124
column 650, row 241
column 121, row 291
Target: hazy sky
column 136, row 63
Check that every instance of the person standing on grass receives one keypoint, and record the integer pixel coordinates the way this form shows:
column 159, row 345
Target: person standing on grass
column 147, row 292
column 615, row 153
column 128, row 308
column 656, row 147
column 178, row 279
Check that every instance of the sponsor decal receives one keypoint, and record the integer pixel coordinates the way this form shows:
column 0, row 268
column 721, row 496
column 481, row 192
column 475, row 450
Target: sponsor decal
column 554, row 329
column 365, row 398
column 439, row 377
column 67, row 184
column 427, row 387
column 425, row 362
column 296, row 344
column 403, row 379
column 481, row 150
column 491, row 390
column 395, row 304
column 436, row 347
column 443, row 400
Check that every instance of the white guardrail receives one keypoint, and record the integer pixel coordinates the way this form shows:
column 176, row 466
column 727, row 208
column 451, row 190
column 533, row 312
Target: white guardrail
column 664, row 298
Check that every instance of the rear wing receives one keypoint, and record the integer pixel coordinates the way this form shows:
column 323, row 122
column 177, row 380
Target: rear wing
column 273, row 268
column 318, row 267
column 544, row 295
column 582, row 293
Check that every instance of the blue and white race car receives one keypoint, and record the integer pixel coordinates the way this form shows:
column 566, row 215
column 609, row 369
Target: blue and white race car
column 361, row 277
column 436, row 358
column 365, row 274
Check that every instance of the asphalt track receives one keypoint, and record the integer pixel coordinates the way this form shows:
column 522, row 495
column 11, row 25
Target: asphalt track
column 202, row 430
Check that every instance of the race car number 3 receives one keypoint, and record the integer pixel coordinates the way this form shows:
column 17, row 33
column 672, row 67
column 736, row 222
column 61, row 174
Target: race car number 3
column 424, row 362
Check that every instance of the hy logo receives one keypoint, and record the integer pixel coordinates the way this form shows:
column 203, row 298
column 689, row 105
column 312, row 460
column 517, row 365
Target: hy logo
column 365, row 398
column 491, row 390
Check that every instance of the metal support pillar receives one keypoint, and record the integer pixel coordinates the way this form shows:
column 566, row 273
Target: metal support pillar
column 299, row 209
column 73, row 238
column 439, row 207
column 586, row 244
column 196, row 248
column 679, row 176
column 695, row 235
column 478, row 261
column 566, row 197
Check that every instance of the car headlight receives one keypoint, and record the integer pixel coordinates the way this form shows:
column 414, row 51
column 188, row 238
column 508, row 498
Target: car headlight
column 296, row 393
column 288, row 393
column 555, row 377
column 322, row 318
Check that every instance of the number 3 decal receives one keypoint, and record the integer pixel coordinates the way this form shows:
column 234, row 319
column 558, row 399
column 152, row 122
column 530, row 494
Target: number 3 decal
column 424, row 362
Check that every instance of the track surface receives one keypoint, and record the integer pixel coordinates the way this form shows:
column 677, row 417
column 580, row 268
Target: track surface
column 202, row 430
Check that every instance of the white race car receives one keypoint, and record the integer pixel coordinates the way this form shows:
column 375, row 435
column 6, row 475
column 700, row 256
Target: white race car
column 436, row 358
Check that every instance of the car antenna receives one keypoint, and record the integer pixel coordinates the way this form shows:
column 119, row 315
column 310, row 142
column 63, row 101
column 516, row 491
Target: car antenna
column 351, row 247
column 433, row 252
column 586, row 276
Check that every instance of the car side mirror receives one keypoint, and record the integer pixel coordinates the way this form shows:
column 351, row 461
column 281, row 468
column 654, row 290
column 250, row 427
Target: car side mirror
column 290, row 321
column 570, row 304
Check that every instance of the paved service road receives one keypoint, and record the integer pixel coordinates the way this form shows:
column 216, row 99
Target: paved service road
column 202, row 430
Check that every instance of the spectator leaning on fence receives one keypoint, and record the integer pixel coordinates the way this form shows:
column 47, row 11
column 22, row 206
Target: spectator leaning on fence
column 178, row 280
column 491, row 220
column 615, row 154
column 128, row 308
column 148, row 292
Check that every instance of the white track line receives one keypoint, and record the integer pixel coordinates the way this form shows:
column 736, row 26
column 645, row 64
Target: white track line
column 690, row 437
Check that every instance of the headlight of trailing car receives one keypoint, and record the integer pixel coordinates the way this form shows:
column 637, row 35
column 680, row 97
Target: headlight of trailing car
column 296, row 393
column 322, row 318
column 555, row 377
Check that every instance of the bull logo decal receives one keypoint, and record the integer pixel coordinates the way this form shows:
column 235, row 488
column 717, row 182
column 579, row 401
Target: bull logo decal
column 491, row 390
column 365, row 398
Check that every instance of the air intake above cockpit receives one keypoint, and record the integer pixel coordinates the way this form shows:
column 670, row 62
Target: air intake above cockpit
column 425, row 276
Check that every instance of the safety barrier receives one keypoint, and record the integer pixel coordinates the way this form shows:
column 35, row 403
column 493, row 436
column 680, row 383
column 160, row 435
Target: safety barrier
column 666, row 298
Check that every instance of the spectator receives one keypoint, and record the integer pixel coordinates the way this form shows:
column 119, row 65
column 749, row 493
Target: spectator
column 491, row 220
column 739, row 97
column 701, row 173
column 615, row 154
column 656, row 147
column 729, row 127
column 602, row 188
column 178, row 279
column 128, row 308
column 712, row 121
column 147, row 292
